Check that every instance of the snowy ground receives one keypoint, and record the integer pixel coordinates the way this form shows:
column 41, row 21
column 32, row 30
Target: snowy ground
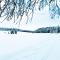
column 29, row 46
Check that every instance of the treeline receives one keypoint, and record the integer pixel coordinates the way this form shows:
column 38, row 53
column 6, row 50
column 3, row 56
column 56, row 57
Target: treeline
column 48, row 30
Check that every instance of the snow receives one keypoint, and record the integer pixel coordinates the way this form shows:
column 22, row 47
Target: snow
column 29, row 46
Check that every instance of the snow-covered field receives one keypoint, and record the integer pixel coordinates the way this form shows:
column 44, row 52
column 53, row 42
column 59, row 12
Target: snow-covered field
column 29, row 46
